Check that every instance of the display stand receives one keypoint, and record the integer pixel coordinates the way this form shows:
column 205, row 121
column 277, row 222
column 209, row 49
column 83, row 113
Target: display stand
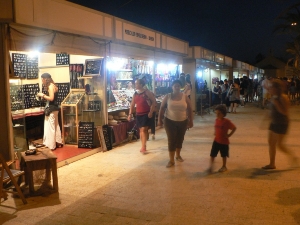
column 71, row 109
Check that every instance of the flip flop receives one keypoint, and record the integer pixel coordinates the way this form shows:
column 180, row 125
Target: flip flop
column 268, row 167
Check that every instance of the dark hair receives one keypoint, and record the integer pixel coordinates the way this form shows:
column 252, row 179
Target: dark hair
column 48, row 80
column 177, row 82
column 45, row 75
column 141, row 82
column 222, row 109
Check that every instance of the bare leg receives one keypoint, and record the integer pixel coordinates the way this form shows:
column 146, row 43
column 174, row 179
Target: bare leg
column 143, row 136
column 224, row 159
column 234, row 107
column 172, row 160
column 178, row 152
column 284, row 149
column 171, row 156
column 272, row 148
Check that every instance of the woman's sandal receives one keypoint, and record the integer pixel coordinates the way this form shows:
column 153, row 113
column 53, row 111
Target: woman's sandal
column 170, row 164
column 268, row 167
column 59, row 145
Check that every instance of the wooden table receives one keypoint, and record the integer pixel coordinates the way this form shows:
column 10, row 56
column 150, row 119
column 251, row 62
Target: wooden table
column 43, row 160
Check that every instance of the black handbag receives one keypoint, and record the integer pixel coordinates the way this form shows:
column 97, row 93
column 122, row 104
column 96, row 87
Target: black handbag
column 47, row 111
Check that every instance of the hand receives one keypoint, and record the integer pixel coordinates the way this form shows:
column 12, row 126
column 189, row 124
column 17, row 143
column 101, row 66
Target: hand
column 150, row 114
column 190, row 124
column 129, row 118
column 159, row 123
column 40, row 94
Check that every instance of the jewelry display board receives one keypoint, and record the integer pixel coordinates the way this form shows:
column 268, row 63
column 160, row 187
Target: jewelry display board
column 123, row 99
column 75, row 72
column 62, row 59
column 93, row 67
column 86, row 135
column 19, row 65
column 32, row 67
column 71, row 110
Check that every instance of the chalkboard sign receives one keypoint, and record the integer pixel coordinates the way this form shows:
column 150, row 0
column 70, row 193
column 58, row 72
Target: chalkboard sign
column 20, row 65
column 62, row 59
column 86, row 135
column 32, row 67
column 93, row 67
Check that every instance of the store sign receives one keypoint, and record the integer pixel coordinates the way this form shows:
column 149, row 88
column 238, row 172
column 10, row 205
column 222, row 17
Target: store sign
column 139, row 35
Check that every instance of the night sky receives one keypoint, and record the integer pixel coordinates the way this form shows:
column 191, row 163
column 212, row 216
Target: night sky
column 238, row 29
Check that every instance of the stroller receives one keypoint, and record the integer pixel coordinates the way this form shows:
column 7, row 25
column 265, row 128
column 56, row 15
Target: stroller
column 132, row 134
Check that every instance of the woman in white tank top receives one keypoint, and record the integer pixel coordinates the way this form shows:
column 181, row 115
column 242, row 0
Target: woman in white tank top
column 177, row 110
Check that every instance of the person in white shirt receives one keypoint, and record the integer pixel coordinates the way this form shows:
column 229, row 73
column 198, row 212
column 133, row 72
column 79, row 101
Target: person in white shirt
column 177, row 111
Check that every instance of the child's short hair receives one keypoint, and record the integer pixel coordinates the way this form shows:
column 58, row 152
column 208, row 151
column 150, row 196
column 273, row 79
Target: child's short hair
column 222, row 109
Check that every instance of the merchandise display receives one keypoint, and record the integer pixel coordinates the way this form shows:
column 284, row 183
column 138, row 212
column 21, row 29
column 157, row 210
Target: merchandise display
column 71, row 109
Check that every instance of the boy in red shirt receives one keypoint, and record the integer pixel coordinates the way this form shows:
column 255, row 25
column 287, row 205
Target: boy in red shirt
column 221, row 141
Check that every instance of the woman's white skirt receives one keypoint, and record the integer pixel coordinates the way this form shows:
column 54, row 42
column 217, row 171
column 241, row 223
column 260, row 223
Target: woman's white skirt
column 52, row 133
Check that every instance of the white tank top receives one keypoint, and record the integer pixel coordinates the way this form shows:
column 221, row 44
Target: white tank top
column 176, row 110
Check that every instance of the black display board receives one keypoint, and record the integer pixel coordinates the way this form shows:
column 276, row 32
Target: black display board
column 62, row 59
column 86, row 135
column 29, row 92
column 93, row 67
column 19, row 65
column 107, row 133
column 32, row 67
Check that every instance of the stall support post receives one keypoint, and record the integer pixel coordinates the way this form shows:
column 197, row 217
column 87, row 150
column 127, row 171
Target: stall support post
column 6, row 138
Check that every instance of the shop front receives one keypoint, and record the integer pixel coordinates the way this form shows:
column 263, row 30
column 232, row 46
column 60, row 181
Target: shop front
column 206, row 68
column 94, row 66
column 138, row 53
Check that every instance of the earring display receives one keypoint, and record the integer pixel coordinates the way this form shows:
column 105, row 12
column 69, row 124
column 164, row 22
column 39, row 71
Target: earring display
column 32, row 68
column 93, row 67
column 19, row 64
column 62, row 59
column 76, row 71
column 86, row 135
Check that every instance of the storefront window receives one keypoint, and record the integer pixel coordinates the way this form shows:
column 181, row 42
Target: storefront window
column 121, row 76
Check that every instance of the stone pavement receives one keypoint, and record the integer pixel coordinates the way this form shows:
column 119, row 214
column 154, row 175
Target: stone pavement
column 122, row 186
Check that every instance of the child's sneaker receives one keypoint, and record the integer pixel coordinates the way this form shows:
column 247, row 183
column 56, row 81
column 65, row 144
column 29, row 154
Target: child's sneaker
column 223, row 169
column 153, row 136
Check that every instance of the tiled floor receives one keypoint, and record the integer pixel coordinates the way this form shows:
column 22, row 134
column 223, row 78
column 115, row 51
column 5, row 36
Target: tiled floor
column 122, row 186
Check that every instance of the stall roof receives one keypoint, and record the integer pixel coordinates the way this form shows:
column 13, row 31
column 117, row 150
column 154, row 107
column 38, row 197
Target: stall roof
column 52, row 14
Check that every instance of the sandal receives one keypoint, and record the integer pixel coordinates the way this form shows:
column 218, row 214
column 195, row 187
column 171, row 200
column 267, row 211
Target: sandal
column 143, row 151
column 223, row 169
column 170, row 164
column 268, row 167
column 59, row 145
column 179, row 159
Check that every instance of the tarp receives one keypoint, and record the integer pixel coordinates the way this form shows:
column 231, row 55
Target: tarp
column 23, row 38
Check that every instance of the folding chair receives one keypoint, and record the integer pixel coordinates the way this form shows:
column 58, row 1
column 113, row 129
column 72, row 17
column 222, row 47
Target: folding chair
column 9, row 175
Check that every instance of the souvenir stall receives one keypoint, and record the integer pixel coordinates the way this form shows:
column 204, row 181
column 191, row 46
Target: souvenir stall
column 76, row 56
column 71, row 60
column 207, row 67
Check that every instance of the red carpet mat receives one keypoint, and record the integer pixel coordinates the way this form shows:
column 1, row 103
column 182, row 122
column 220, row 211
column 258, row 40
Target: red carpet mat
column 69, row 151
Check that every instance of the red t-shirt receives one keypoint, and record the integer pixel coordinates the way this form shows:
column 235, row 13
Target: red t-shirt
column 221, row 130
column 142, row 106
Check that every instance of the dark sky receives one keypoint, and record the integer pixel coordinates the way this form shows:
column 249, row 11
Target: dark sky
column 240, row 29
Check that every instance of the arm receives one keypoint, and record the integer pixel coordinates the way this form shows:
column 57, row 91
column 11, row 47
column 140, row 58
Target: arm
column 231, row 132
column 281, row 104
column 190, row 112
column 153, row 102
column 132, row 104
column 162, row 110
column 51, row 90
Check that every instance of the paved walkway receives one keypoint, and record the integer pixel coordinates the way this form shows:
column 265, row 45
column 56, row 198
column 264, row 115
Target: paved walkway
column 124, row 187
